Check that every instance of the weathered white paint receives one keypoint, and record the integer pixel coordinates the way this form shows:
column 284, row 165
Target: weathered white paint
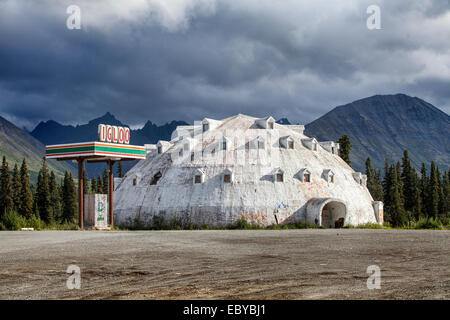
column 253, row 192
column 96, row 210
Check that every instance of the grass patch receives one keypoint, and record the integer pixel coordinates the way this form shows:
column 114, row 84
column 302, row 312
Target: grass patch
column 369, row 225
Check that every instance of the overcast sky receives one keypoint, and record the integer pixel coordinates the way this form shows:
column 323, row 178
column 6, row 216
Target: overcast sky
column 164, row 60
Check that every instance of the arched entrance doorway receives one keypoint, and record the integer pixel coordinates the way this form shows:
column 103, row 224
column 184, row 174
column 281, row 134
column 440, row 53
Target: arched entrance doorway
column 333, row 215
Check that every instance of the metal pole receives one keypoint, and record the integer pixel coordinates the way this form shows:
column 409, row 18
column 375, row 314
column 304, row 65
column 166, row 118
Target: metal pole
column 80, row 193
column 111, row 192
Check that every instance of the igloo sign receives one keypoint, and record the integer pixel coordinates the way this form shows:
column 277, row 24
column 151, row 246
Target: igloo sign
column 113, row 134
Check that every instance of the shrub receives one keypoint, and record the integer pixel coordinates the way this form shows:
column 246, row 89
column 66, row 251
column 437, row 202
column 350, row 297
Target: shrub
column 175, row 223
column 428, row 223
column 159, row 222
column 13, row 221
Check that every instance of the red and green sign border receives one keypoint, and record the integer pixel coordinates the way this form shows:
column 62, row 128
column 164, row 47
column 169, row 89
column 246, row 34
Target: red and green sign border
column 100, row 149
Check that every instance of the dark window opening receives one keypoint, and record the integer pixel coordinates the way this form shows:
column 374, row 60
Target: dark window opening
column 270, row 125
column 307, row 177
column 134, row 181
column 224, row 145
column 227, row 178
column 192, row 156
column 279, row 177
column 156, row 178
column 291, row 144
column 198, row 179
column 159, row 150
column 331, row 179
column 205, row 127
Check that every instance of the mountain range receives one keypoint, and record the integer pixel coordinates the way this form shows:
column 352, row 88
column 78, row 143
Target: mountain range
column 382, row 126
column 15, row 144
column 379, row 127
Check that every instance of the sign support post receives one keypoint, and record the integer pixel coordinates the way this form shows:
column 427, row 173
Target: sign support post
column 111, row 193
column 81, row 193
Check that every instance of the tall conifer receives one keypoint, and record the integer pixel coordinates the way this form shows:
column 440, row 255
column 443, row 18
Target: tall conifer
column 26, row 194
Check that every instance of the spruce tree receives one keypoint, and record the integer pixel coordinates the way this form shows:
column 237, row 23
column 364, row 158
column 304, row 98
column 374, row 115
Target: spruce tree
column 120, row 170
column 94, row 185
column 423, row 185
column 395, row 208
column 55, row 198
column 26, row 194
column 446, row 193
column 432, row 200
column 99, row 184
column 69, row 196
column 373, row 182
column 16, row 188
column 105, row 182
column 6, row 195
column 387, row 189
column 441, row 205
column 398, row 170
column 85, row 182
column 410, row 184
column 418, row 203
column 386, row 178
column 44, row 205
column 344, row 148
column 35, row 201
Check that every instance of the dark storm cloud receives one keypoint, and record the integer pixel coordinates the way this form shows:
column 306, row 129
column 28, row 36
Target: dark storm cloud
column 187, row 59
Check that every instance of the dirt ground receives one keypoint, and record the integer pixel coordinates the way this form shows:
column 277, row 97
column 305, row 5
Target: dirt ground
column 234, row 264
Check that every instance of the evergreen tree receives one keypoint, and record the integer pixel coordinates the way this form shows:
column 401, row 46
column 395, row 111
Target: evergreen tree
column 55, row 197
column 398, row 170
column 69, row 195
column 386, row 178
column 99, row 184
column 446, row 194
column 395, row 207
column 85, row 182
column 441, row 205
column 6, row 195
column 386, row 189
column 344, row 148
column 26, row 194
column 44, row 205
column 94, row 185
column 418, row 203
column 105, row 182
column 16, row 188
column 35, row 201
column 410, row 185
column 423, row 185
column 432, row 200
column 120, row 170
column 373, row 182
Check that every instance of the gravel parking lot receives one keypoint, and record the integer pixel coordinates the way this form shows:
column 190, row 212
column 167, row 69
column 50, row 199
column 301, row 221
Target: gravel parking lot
column 229, row 264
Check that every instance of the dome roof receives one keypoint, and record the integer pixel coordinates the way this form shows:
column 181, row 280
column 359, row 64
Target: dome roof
column 246, row 169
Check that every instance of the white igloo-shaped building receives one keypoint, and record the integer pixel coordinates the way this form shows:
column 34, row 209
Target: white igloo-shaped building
column 218, row 171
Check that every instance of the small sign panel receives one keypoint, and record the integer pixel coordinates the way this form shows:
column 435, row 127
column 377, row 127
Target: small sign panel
column 113, row 134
